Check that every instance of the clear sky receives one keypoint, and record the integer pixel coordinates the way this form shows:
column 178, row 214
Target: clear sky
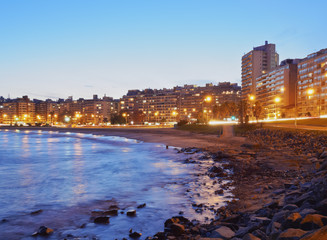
column 77, row 47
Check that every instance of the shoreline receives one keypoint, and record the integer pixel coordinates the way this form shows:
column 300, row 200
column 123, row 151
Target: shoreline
column 262, row 172
column 166, row 136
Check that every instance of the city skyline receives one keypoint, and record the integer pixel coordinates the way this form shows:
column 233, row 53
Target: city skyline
column 54, row 50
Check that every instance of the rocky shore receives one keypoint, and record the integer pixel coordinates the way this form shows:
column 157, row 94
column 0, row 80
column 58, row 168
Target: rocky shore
column 286, row 203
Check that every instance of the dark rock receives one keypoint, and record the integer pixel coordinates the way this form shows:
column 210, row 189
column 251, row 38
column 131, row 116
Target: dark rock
column 160, row 236
column 320, row 234
column 112, row 212
column 177, row 229
column 260, row 234
column 219, row 192
column 323, row 166
column 44, row 231
column 135, row 235
column 222, row 232
column 178, row 219
column 292, row 234
column 37, row 212
column 131, row 213
column 322, row 206
column 279, row 191
column 250, row 236
column 304, row 197
column 307, row 211
column 101, row 220
column 290, row 207
column 292, row 221
column 261, row 220
column 313, row 221
column 142, row 205
column 272, row 205
column 232, row 219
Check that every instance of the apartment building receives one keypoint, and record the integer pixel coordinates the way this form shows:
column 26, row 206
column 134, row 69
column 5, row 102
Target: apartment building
column 312, row 85
column 171, row 105
column 276, row 90
column 259, row 61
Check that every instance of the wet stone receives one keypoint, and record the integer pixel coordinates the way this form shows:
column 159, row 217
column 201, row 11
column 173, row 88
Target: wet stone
column 131, row 213
column 101, row 220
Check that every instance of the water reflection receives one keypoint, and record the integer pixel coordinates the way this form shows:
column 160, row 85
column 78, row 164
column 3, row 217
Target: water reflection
column 61, row 172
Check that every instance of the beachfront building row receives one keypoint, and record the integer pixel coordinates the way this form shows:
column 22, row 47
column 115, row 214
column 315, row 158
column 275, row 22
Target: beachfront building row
column 25, row 110
column 189, row 102
column 296, row 87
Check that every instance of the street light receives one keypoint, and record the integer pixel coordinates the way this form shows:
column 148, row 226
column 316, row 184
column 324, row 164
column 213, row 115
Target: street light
column 310, row 92
column 125, row 116
column 156, row 114
column 251, row 98
column 276, row 100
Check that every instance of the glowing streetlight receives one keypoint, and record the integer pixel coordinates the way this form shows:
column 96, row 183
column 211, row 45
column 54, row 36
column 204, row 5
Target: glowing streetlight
column 310, row 91
column 208, row 99
column 282, row 89
column 277, row 99
column 252, row 97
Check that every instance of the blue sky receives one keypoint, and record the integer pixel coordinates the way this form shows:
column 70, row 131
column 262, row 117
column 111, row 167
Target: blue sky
column 80, row 48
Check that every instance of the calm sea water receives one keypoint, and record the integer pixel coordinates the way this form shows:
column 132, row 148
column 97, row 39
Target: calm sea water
column 69, row 175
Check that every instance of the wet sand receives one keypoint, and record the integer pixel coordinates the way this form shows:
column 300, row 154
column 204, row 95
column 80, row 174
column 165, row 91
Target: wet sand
column 167, row 136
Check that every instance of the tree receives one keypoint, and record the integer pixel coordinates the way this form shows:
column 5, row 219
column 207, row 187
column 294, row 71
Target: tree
column 215, row 111
column 242, row 110
column 257, row 110
column 138, row 116
column 117, row 119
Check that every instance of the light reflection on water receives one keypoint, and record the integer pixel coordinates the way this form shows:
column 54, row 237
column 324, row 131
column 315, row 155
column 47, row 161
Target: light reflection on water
column 59, row 172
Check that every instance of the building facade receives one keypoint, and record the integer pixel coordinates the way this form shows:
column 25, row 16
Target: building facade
column 276, row 90
column 259, row 61
column 312, row 85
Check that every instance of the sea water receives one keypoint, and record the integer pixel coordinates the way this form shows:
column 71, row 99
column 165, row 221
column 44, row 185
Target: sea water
column 58, row 179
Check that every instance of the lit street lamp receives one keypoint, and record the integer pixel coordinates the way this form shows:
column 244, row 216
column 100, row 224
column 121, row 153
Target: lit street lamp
column 310, row 92
column 251, row 98
column 276, row 100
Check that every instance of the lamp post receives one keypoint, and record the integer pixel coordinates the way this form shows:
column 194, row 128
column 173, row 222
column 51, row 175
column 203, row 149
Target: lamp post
column 251, row 98
column 207, row 99
column 125, row 116
column 156, row 114
column 310, row 92
column 276, row 100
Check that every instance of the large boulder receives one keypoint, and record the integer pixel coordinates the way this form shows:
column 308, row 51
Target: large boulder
column 291, row 234
column 317, row 235
column 292, row 221
column 313, row 221
column 222, row 232
column 101, row 220
column 177, row 229
column 43, row 231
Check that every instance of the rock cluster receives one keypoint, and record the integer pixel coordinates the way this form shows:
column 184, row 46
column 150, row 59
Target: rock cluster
column 298, row 204
column 297, row 211
column 301, row 141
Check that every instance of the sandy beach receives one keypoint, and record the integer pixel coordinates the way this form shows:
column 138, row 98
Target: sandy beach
column 167, row 136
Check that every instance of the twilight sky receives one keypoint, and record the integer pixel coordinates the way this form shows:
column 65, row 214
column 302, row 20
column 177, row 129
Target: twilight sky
column 55, row 49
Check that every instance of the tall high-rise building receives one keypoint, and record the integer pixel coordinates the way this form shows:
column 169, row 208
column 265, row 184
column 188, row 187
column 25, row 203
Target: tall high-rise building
column 312, row 85
column 259, row 61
